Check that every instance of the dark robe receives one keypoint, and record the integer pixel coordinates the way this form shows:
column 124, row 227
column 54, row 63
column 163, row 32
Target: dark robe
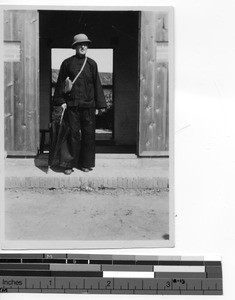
column 86, row 95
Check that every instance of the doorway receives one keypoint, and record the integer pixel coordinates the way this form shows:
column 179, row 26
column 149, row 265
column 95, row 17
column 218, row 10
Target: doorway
column 116, row 32
column 140, row 76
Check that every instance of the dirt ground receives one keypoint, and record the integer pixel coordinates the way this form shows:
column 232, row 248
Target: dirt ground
column 59, row 214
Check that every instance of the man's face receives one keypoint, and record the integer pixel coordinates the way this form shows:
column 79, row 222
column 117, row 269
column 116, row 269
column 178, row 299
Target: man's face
column 81, row 49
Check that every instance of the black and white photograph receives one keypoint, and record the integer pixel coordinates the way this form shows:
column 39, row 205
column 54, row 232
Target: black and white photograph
column 88, row 127
column 117, row 144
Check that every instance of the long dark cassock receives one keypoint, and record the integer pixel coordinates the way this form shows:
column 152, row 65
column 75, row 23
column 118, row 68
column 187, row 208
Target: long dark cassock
column 85, row 97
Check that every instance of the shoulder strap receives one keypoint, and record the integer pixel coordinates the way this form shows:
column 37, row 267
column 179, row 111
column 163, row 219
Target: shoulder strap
column 80, row 71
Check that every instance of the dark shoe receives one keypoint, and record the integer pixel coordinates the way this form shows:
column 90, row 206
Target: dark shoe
column 85, row 169
column 68, row 171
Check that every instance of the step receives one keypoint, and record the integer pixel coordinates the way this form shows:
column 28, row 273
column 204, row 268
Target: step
column 110, row 172
column 85, row 183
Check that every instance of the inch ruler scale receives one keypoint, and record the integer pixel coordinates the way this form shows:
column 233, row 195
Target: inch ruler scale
column 110, row 274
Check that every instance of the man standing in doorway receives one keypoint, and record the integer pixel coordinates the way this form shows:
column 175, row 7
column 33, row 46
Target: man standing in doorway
column 82, row 103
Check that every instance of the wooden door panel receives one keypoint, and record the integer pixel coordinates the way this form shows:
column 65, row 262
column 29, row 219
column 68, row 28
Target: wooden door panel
column 154, row 84
column 21, row 61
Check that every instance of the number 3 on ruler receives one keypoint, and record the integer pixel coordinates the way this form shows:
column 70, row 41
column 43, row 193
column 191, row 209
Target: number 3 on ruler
column 168, row 284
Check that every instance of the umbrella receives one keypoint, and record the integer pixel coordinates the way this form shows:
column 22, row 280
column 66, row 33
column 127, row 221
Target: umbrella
column 59, row 131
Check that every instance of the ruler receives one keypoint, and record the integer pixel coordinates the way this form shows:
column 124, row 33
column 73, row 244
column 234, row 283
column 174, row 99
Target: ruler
column 110, row 274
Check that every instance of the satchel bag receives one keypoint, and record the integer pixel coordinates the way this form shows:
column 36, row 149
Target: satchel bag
column 68, row 84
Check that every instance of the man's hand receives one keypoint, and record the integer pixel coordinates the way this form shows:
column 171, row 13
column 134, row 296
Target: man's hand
column 64, row 106
column 100, row 111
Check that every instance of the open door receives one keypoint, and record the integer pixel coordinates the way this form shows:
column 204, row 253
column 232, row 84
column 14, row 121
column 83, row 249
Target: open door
column 21, row 82
column 154, row 85
column 116, row 32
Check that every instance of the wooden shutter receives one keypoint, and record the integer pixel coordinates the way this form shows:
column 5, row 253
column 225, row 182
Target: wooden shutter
column 154, row 85
column 21, row 82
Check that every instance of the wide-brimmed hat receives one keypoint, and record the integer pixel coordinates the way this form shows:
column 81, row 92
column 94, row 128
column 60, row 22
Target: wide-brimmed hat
column 80, row 38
